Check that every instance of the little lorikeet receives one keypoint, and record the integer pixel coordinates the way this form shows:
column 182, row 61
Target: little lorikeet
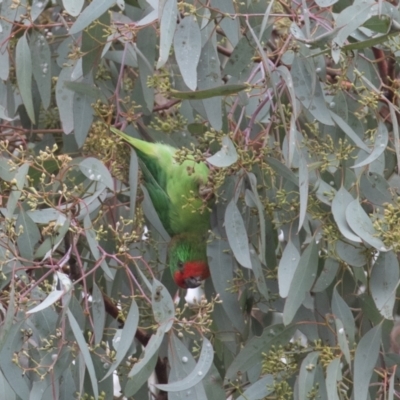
column 176, row 190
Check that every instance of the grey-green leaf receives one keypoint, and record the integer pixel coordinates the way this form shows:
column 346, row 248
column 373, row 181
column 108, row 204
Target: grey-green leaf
column 197, row 374
column 287, row 267
column 93, row 11
column 162, row 304
column 383, row 283
column 187, row 46
column 237, row 235
column 23, row 63
column 168, row 13
column 362, row 226
column 339, row 204
column 302, row 282
column 85, row 351
column 226, row 156
column 364, row 361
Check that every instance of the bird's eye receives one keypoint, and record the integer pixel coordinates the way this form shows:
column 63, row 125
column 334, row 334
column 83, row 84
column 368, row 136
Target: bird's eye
column 180, row 265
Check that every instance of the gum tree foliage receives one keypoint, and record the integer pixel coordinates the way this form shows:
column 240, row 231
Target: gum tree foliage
column 294, row 106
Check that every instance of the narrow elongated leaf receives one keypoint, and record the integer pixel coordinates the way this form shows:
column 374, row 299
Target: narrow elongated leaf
column 126, row 338
column 308, row 89
column 307, row 374
column 383, row 283
column 41, row 66
column 345, row 127
column 197, row 374
column 93, row 11
column 224, row 90
column 237, row 235
column 168, row 12
column 258, row 390
column 219, row 253
column 162, row 304
column 187, row 46
column 364, row 361
column 362, row 226
column 287, row 267
column 342, row 340
column 84, row 351
column 98, row 312
column 333, row 376
column 303, row 189
column 302, row 282
column 29, row 235
column 342, row 311
column 23, row 62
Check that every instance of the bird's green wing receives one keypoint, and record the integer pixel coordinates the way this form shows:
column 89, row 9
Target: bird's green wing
column 173, row 187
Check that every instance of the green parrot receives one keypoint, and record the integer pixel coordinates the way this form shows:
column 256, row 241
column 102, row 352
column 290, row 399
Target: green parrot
column 170, row 184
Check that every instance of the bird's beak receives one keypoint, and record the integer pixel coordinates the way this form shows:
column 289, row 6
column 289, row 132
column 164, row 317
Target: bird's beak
column 193, row 282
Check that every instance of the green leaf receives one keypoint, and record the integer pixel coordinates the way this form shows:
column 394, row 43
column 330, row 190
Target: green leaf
column 224, row 90
column 98, row 313
column 307, row 374
column 342, row 311
column 342, row 340
column 362, row 226
column 162, row 304
column 29, row 235
column 83, row 346
column 333, row 376
column 287, row 268
column 240, row 58
column 302, row 282
column 94, row 246
column 352, row 254
column 146, row 53
column 168, row 16
column 41, row 66
column 375, row 188
column 381, row 141
column 187, row 46
column 327, row 275
column 23, row 63
column 219, row 253
column 366, row 355
column 250, row 354
column 237, row 235
column 383, row 283
column 145, row 366
column 96, row 171
column 93, row 11
column 308, row 89
column 258, row 390
column 346, row 128
column 182, row 362
column 303, row 189
column 226, row 156
column 73, row 7
column 197, row 374
column 126, row 338
column 339, row 204
column 65, row 99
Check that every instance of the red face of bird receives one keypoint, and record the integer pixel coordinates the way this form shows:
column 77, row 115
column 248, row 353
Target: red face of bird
column 190, row 274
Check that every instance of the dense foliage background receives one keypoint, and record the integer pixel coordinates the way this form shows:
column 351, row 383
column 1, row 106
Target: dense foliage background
column 294, row 105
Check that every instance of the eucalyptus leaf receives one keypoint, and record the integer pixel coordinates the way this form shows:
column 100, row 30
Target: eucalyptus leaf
column 366, row 355
column 237, row 236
